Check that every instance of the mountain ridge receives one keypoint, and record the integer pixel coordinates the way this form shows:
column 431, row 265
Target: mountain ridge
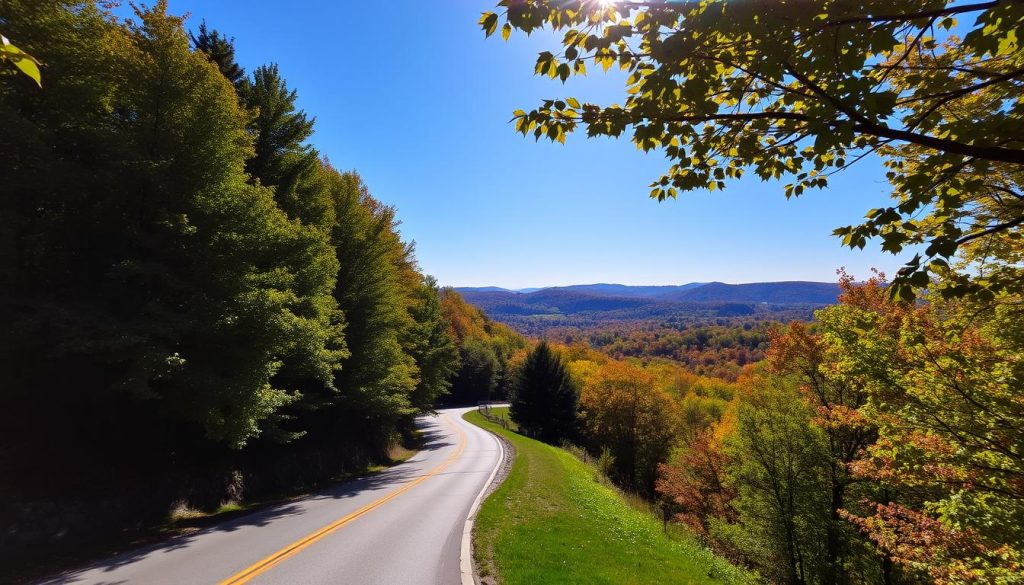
column 590, row 305
column 779, row 292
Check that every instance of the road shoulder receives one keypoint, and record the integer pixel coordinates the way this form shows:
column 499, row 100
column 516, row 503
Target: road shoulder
column 471, row 558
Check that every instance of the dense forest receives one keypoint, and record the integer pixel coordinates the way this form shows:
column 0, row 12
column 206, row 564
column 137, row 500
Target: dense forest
column 878, row 444
column 720, row 351
column 884, row 443
column 713, row 337
column 196, row 306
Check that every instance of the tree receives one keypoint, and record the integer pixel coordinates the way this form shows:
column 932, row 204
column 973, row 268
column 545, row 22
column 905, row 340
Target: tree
column 280, row 129
column 545, row 401
column 205, row 291
column 798, row 354
column 796, row 91
column 942, row 381
column 694, row 482
column 490, row 351
column 778, row 474
column 221, row 50
column 479, row 370
column 626, row 412
column 167, row 318
column 428, row 342
column 373, row 387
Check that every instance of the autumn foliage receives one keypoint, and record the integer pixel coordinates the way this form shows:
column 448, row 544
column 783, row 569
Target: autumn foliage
column 902, row 462
column 627, row 413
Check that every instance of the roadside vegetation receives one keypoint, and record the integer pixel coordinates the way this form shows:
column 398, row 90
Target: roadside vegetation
column 198, row 310
column 556, row 519
column 883, row 444
column 825, row 462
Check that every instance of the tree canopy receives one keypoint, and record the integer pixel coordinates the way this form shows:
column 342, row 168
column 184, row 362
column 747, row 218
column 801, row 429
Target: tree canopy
column 800, row 91
column 189, row 290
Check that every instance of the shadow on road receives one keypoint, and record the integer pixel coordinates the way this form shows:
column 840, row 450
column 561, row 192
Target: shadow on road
column 432, row 436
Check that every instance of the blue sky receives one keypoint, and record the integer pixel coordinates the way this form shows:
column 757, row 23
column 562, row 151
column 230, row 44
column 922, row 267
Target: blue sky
column 410, row 94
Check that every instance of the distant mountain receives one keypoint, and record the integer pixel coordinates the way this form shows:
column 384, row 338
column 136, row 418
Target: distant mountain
column 551, row 301
column 776, row 293
column 592, row 305
column 610, row 297
column 476, row 289
column 623, row 290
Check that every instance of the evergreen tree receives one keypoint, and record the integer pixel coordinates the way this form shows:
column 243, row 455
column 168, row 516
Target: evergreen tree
column 221, row 50
column 280, row 129
column 205, row 289
column 546, row 402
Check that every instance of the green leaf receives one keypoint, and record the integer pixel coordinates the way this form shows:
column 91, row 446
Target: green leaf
column 22, row 60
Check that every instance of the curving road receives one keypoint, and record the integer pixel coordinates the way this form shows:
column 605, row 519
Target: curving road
column 401, row 526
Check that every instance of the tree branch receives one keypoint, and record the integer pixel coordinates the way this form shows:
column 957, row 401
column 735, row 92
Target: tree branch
column 999, row 227
column 916, row 15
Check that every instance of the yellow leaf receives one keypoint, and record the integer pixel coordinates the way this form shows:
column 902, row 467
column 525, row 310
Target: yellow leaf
column 21, row 60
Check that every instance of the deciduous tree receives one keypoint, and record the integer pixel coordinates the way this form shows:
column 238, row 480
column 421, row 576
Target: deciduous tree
column 801, row 91
column 626, row 412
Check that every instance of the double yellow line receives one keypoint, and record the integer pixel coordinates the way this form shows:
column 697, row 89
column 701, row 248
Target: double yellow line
column 262, row 566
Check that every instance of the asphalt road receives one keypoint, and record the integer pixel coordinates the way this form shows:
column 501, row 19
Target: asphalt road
column 401, row 526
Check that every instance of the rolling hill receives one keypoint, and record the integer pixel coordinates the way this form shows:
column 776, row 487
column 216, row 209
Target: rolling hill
column 593, row 305
column 775, row 293
column 614, row 297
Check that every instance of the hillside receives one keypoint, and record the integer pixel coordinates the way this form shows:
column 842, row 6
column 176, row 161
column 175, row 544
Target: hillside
column 557, row 520
column 623, row 290
column 778, row 293
column 613, row 297
column 596, row 305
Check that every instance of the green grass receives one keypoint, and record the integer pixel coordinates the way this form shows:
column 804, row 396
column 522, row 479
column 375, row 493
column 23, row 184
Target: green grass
column 556, row 520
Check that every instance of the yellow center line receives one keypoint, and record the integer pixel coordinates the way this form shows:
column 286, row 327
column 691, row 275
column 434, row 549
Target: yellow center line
column 260, row 567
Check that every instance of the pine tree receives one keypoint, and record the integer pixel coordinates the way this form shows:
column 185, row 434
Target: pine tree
column 221, row 50
column 545, row 402
column 280, row 129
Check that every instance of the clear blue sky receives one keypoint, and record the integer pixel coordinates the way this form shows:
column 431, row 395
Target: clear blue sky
column 410, row 94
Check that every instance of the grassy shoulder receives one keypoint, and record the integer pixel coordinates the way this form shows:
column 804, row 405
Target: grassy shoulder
column 554, row 520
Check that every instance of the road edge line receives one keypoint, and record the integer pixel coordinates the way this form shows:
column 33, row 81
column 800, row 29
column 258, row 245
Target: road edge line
column 466, row 553
column 259, row 567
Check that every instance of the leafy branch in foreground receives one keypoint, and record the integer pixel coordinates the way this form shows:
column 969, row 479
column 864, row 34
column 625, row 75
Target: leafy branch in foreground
column 801, row 91
column 21, row 60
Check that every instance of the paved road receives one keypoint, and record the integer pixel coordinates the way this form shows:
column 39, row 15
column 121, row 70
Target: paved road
column 401, row 526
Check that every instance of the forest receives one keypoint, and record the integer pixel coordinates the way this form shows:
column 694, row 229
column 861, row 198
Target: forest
column 197, row 307
column 878, row 444
column 883, row 443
